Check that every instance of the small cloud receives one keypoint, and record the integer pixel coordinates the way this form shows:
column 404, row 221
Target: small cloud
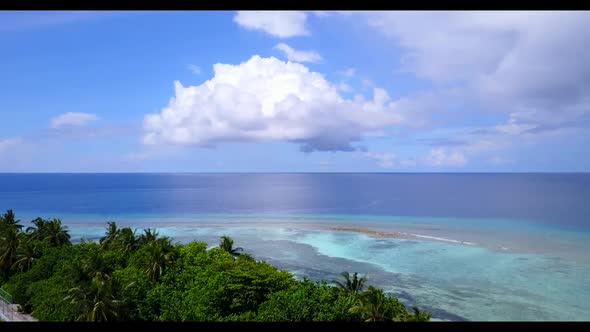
column 7, row 143
column 282, row 24
column 384, row 160
column 368, row 84
column 344, row 87
column 443, row 157
column 194, row 69
column 497, row 160
column 324, row 163
column 347, row 73
column 298, row 56
column 73, row 119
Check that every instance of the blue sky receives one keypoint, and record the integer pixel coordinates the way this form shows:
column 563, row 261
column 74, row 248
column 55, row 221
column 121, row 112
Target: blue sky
column 294, row 91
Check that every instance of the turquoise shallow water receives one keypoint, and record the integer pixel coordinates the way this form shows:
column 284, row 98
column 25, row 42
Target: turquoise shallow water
column 505, row 273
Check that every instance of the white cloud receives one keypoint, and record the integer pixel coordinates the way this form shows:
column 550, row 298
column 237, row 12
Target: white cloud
column 388, row 160
column 344, row 87
column 497, row 160
column 348, row 73
column 8, row 143
column 509, row 60
column 73, row 119
column 268, row 99
column 194, row 69
column 282, row 24
column 528, row 65
column 298, row 56
column 442, row 157
column 384, row 160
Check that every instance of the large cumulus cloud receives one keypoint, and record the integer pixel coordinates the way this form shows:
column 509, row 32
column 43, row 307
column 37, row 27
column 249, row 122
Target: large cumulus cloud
column 266, row 99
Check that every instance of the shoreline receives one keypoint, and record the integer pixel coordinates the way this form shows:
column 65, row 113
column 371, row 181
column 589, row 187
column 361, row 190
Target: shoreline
column 376, row 231
column 182, row 226
column 398, row 235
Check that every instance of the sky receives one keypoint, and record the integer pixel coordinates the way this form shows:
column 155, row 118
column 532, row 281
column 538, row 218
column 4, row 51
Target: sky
column 275, row 91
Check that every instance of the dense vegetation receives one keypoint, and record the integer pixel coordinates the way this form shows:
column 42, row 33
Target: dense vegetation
column 126, row 276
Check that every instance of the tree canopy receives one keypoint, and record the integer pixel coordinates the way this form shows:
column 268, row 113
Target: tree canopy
column 148, row 277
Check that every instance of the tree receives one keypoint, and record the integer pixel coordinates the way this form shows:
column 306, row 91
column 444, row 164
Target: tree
column 39, row 231
column 56, row 234
column 226, row 243
column 110, row 235
column 370, row 305
column 100, row 301
column 126, row 240
column 417, row 316
column 352, row 285
column 307, row 301
column 9, row 243
column 148, row 236
column 161, row 255
column 8, row 219
column 27, row 253
column 95, row 266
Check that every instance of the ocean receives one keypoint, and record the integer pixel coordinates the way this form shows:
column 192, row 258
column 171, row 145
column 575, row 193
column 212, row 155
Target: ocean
column 466, row 246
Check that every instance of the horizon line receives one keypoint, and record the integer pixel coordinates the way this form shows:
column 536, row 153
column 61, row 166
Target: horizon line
column 336, row 172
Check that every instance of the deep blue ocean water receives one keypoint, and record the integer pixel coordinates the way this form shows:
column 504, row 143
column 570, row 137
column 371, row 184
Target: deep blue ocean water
column 491, row 246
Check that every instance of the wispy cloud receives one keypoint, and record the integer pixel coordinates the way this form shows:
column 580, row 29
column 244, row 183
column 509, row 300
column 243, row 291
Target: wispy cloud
column 298, row 56
column 387, row 160
column 8, row 143
column 73, row 119
column 347, row 73
column 442, row 157
column 282, row 24
column 194, row 69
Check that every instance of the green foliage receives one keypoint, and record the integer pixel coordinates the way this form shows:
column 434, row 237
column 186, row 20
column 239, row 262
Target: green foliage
column 56, row 234
column 147, row 277
column 307, row 301
column 110, row 235
column 8, row 220
column 226, row 244
column 374, row 306
column 137, row 285
column 352, row 285
column 416, row 316
column 47, row 300
column 20, row 285
column 10, row 239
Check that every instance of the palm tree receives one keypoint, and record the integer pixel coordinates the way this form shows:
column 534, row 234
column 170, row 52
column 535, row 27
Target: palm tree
column 56, row 234
column 161, row 256
column 99, row 302
column 27, row 253
column 8, row 219
column 38, row 232
column 95, row 267
column 352, row 285
column 9, row 242
column 370, row 305
column 148, row 236
column 110, row 235
column 226, row 243
column 126, row 240
column 417, row 316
